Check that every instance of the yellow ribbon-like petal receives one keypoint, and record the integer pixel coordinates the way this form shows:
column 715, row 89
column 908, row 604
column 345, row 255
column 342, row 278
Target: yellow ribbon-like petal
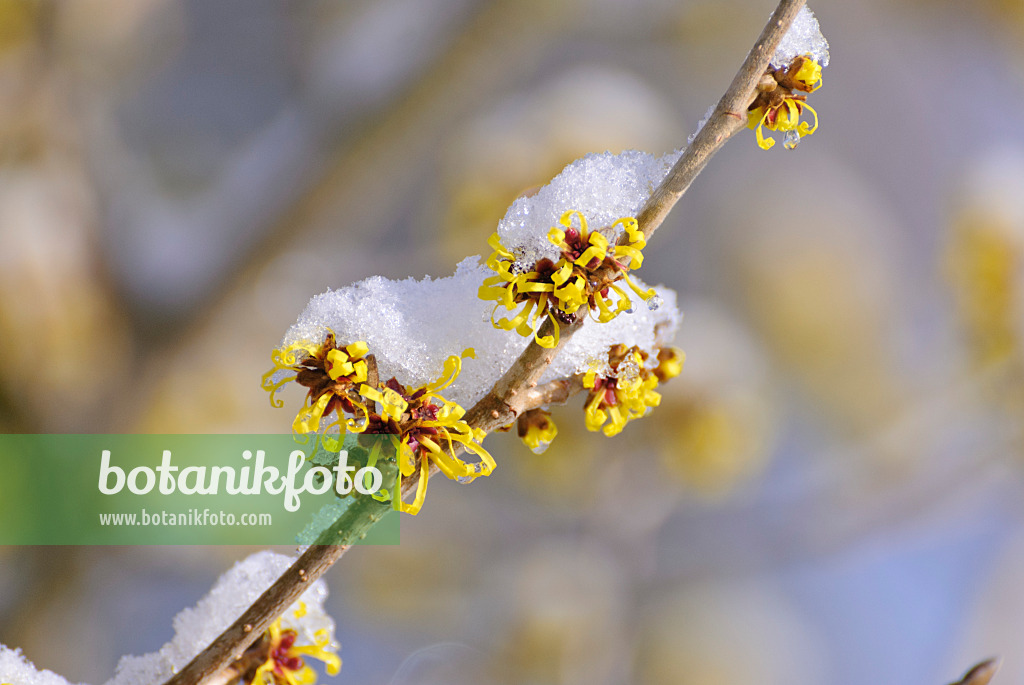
column 556, row 236
column 804, row 129
column 270, row 386
column 308, row 418
column 285, row 359
column 618, row 421
column 572, row 295
column 319, row 651
column 546, row 341
column 809, row 74
column 392, row 403
column 421, row 487
column 339, row 364
column 540, row 435
column 452, row 368
column 598, row 249
column 566, row 220
column 762, row 142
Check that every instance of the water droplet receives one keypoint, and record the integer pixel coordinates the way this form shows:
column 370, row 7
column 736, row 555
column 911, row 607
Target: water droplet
column 655, row 302
column 791, row 140
column 464, row 479
column 541, row 448
column 628, row 372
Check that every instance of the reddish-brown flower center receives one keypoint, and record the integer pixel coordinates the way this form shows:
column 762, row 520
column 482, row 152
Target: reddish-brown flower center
column 283, row 661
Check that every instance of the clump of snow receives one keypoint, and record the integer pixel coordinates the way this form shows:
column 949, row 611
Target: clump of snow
column 803, row 38
column 700, row 124
column 603, row 187
column 17, row 670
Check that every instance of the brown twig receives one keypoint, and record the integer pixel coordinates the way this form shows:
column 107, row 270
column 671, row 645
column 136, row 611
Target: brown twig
column 510, row 395
column 517, row 389
column 555, row 392
column 729, row 117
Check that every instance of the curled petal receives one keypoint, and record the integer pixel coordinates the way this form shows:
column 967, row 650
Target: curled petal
column 804, row 129
column 809, row 74
column 268, row 384
column 566, row 221
column 556, row 236
column 308, row 418
column 594, row 416
column 762, row 142
column 598, row 249
column 644, row 294
column 546, row 341
column 452, row 368
column 421, row 489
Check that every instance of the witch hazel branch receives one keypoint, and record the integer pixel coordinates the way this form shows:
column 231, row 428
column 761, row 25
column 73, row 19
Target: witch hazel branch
column 554, row 309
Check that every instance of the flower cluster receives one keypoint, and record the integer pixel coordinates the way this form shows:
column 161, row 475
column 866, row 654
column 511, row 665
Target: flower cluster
column 778, row 108
column 582, row 278
column 345, row 381
column 348, row 341
column 429, row 426
column 628, row 389
column 279, row 656
column 333, row 375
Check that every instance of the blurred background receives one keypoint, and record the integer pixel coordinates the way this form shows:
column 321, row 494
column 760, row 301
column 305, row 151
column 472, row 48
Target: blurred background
column 831, row 491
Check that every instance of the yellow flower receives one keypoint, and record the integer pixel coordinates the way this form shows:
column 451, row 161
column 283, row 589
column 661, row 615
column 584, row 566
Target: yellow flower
column 429, row 427
column 777, row 108
column 562, row 288
column 670, row 363
column 628, row 391
column 332, row 375
column 536, row 429
column 285, row 651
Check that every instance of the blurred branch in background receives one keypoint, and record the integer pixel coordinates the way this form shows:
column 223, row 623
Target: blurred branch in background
column 981, row 674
